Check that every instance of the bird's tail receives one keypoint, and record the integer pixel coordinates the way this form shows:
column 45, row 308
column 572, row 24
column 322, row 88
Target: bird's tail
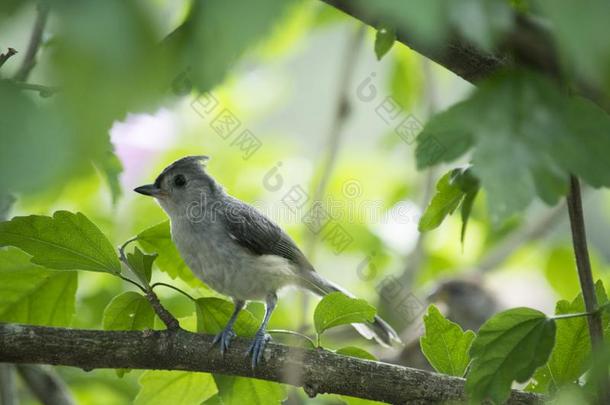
column 379, row 329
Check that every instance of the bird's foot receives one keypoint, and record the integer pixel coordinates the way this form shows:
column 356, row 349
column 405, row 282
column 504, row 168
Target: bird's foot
column 224, row 338
column 258, row 347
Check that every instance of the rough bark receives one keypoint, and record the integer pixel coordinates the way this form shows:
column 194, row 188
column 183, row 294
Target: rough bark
column 317, row 371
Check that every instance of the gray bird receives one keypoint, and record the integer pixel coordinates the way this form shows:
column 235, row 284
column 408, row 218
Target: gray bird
column 236, row 250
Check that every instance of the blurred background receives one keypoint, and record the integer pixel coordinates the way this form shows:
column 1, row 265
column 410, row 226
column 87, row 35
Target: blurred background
column 307, row 113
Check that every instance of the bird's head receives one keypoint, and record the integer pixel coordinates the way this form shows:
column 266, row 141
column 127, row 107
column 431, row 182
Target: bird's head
column 184, row 188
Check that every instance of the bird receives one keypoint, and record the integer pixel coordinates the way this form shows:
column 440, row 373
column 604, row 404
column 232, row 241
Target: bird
column 237, row 251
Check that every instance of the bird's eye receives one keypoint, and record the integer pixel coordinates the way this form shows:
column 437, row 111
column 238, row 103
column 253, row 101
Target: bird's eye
column 179, row 181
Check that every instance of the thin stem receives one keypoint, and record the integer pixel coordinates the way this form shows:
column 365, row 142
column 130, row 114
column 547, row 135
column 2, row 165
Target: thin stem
column 168, row 319
column 134, row 283
column 579, row 314
column 583, row 264
column 29, row 61
column 290, row 332
column 43, row 91
column 152, row 287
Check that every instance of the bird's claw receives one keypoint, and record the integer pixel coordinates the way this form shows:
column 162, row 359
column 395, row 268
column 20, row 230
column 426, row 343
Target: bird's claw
column 257, row 347
column 224, row 338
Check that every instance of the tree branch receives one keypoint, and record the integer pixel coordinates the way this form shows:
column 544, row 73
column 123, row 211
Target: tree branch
column 46, row 385
column 7, row 55
column 318, row 371
column 29, row 61
column 587, row 285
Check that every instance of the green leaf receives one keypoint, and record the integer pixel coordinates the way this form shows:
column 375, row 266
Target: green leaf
column 354, row 351
column 128, row 311
column 447, row 198
column 175, row 387
column 338, row 309
column 445, row 344
column 509, row 347
column 241, row 390
column 65, row 241
column 214, row 313
column 523, row 116
column 560, row 272
column 157, row 239
column 384, row 39
column 571, row 353
column 33, row 295
column 141, row 264
column 111, row 168
column 30, row 162
column 457, row 188
column 216, row 33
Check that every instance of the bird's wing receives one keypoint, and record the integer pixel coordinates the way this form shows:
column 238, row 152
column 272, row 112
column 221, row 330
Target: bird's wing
column 254, row 231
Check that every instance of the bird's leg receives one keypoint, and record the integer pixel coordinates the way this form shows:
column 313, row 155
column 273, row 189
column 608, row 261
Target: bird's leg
column 261, row 338
column 227, row 333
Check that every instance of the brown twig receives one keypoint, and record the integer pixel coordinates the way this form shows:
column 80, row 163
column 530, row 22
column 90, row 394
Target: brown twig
column 7, row 55
column 587, row 285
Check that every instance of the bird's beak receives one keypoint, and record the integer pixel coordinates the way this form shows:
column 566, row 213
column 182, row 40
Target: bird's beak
column 149, row 189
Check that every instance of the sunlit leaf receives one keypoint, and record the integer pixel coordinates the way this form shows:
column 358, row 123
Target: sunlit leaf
column 214, row 313
column 509, row 347
column 338, row 309
column 33, row 295
column 66, row 241
column 447, row 198
column 445, row 344
column 175, row 387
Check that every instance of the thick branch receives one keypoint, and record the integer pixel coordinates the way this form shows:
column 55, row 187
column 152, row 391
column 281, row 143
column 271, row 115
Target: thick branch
column 318, row 371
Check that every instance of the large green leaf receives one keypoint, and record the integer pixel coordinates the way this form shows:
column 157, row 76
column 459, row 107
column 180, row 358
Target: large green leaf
column 217, row 32
column 338, row 309
column 214, row 313
column 240, row 390
column 571, row 353
column 509, row 347
column 157, row 239
column 33, row 295
column 445, row 344
column 37, row 149
column 128, row 311
column 175, row 387
column 527, row 138
column 65, row 241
